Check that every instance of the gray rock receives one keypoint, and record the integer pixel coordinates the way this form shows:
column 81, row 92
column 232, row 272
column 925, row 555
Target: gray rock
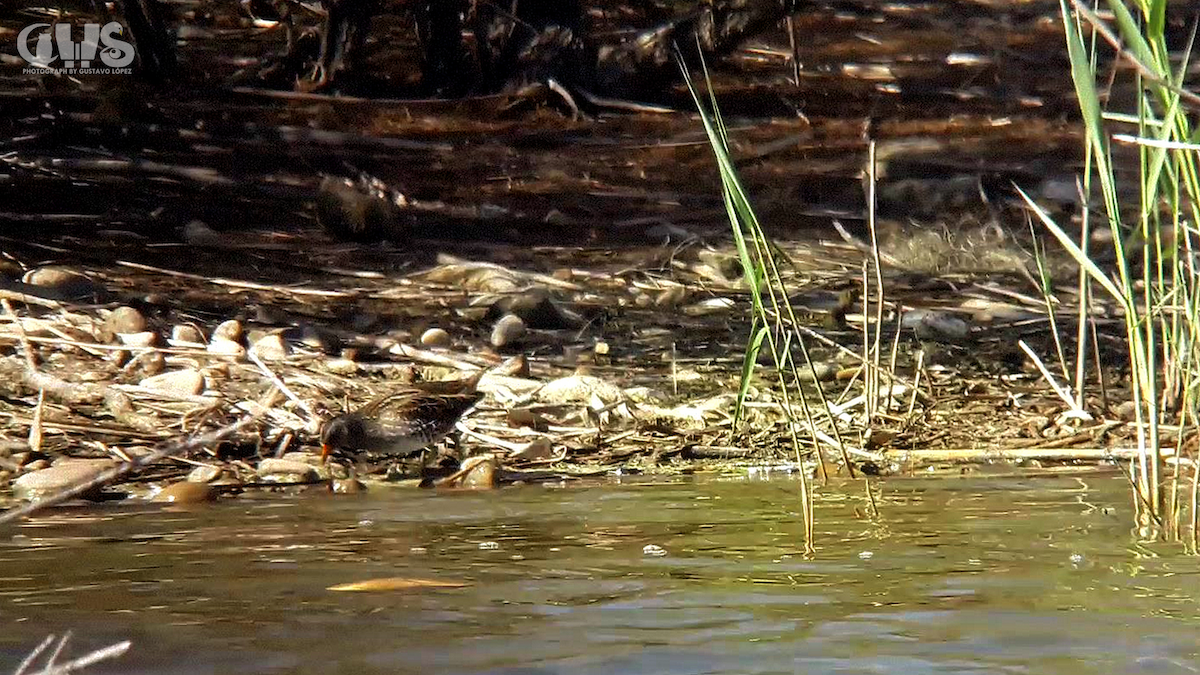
column 325, row 470
column 286, row 471
column 125, row 320
column 66, row 472
column 205, row 474
column 314, row 337
column 198, row 233
column 941, row 327
column 270, row 348
column 65, row 284
column 223, row 347
column 341, row 366
column 146, row 364
column 184, row 335
column 186, row 492
column 228, row 330
column 435, row 338
column 143, row 339
column 187, row 382
column 347, row 486
column 507, row 331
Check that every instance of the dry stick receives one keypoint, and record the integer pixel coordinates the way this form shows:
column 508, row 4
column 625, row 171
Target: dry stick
column 416, row 354
column 26, row 348
column 37, row 651
column 1141, row 500
column 111, row 651
column 30, row 299
column 1099, row 364
column 891, row 371
column 237, row 283
column 870, row 375
column 62, row 644
column 108, row 475
column 1195, row 497
column 313, row 417
column 912, row 401
column 35, row 429
column 1048, row 453
column 1043, row 285
column 795, row 47
column 875, row 258
column 1058, row 389
column 1084, row 309
column 871, row 497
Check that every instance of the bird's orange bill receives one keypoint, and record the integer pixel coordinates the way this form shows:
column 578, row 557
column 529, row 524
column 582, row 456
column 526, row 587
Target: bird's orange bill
column 325, row 451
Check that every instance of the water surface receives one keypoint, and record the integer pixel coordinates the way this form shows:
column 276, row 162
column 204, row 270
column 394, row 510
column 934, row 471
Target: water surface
column 963, row 575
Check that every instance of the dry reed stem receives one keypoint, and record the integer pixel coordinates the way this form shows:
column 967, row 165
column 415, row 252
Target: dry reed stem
column 102, row 654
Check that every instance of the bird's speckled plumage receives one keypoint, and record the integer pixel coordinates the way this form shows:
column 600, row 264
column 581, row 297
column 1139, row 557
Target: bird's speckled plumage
column 401, row 423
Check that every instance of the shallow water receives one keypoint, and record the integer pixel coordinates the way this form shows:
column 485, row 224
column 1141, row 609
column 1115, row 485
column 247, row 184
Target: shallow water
column 963, row 575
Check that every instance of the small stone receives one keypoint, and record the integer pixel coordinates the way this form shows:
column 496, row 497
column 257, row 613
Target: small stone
column 347, row 486
column 508, row 330
column 118, row 357
column 942, row 327
column 1127, row 411
column 205, row 474
column 286, row 471
column 538, row 448
column 270, row 315
column 710, row 306
column 66, row 472
column 314, row 337
column 671, row 297
column 186, row 382
column 65, row 284
column 186, row 492
column 223, row 347
column 536, row 309
column 183, row 335
column 477, row 473
column 821, row 371
column 601, row 348
column 325, row 470
column 271, row 348
column 341, row 366
column 142, row 340
column 579, row 389
column 228, row 330
column 198, row 233
column 125, row 320
column 146, row 364
column 435, row 338
column 37, row 465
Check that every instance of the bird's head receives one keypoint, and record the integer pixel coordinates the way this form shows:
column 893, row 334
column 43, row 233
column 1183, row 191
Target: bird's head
column 341, row 433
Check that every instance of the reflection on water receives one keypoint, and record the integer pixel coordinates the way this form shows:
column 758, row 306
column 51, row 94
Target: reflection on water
column 960, row 576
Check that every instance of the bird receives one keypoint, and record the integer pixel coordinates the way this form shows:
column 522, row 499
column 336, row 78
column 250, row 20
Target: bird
column 404, row 422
